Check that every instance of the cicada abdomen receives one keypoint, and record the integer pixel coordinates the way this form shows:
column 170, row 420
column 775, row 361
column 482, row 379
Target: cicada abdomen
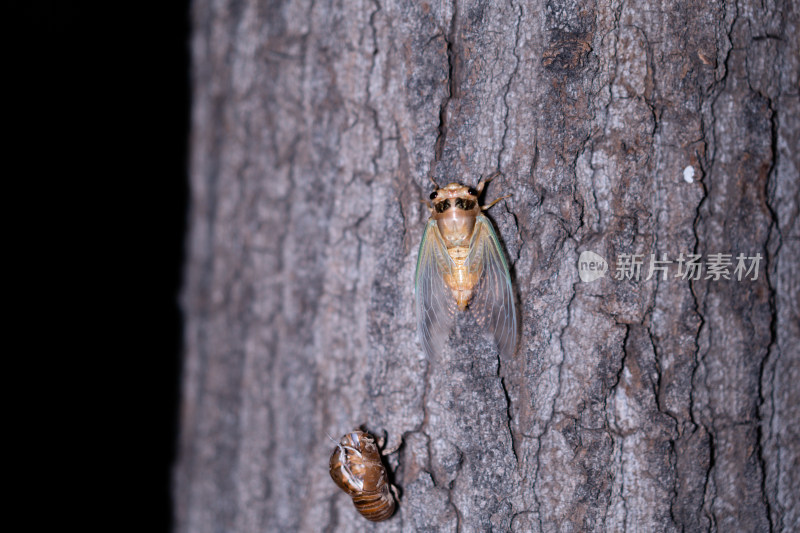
column 356, row 467
column 462, row 266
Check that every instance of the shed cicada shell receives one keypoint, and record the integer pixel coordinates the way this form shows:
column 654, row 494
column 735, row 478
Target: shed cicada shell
column 461, row 265
column 357, row 469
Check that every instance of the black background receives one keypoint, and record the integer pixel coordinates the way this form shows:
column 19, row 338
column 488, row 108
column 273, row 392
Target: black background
column 98, row 106
column 164, row 90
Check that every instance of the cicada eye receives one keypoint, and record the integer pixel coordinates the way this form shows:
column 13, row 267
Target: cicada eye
column 434, row 194
column 472, row 191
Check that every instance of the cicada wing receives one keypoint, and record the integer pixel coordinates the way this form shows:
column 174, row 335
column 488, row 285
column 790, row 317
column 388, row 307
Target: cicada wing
column 493, row 299
column 435, row 303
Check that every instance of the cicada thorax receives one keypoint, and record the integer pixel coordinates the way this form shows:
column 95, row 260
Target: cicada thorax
column 356, row 467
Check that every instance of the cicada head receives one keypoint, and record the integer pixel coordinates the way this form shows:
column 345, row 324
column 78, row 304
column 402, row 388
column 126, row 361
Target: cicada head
column 455, row 195
column 461, row 197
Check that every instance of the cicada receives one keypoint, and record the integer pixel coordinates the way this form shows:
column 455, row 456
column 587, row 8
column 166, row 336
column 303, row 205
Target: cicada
column 461, row 265
column 357, row 469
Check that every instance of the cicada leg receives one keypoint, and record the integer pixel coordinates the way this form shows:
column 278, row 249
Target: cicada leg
column 485, row 207
column 483, row 182
column 395, row 492
column 382, row 440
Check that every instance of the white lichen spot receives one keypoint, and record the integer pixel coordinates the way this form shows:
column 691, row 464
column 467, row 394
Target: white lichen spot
column 688, row 174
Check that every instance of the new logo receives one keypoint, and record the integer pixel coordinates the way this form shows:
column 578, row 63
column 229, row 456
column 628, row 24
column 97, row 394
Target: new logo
column 591, row 266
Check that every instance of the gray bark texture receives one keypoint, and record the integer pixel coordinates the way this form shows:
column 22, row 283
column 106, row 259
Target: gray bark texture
column 649, row 405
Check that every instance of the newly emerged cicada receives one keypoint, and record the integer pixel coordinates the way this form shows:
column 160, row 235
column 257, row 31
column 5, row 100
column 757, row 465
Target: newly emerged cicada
column 461, row 265
column 356, row 467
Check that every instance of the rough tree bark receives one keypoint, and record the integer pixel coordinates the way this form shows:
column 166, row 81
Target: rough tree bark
column 649, row 405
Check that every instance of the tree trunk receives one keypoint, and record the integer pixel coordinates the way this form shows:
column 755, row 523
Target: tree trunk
column 619, row 128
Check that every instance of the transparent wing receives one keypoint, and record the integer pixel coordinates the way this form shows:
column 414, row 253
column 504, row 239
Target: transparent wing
column 435, row 303
column 493, row 299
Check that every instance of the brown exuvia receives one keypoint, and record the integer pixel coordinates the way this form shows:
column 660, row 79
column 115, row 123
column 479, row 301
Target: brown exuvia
column 356, row 467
